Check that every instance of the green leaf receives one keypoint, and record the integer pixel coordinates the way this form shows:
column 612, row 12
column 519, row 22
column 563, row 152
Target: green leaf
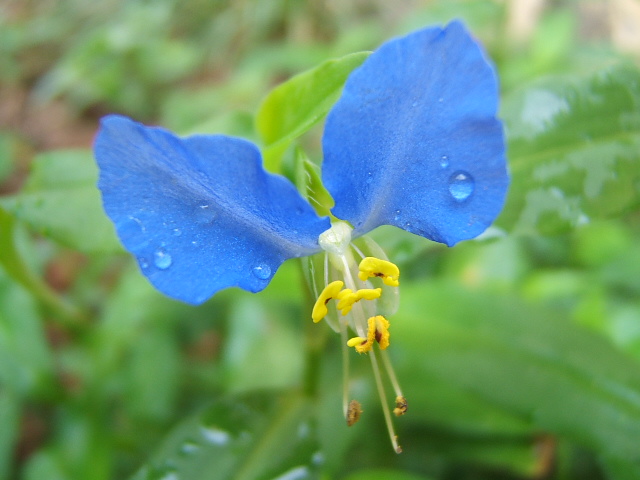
column 295, row 106
column 26, row 364
column 560, row 377
column 10, row 410
column 574, row 151
column 384, row 474
column 60, row 200
column 310, row 185
column 240, row 439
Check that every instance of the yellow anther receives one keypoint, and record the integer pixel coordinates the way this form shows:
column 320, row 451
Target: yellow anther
column 320, row 308
column 374, row 267
column 378, row 331
column 353, row 412
column 401, row 406
column 346, row 298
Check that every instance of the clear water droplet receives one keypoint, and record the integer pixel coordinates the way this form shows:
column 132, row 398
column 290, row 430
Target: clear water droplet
column 461, row 186
column 162, row 259
column 440, row 100
column 369, row 177
column 176, row 232
column 215, row 435
column 205, row 214
column 444, row 161
column 130, row 227
column 397, row 216
column 143, row 262
column 414, row 104
column 169, row 476
column 189, row 448
column 194, row 243
column 262, row 271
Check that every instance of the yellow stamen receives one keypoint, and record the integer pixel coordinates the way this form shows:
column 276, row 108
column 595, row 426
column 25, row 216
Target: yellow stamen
column 320, row 308
column 378, row 331
column 347, row 297
column 401, row 406
column 354, row 412
column 374, row 267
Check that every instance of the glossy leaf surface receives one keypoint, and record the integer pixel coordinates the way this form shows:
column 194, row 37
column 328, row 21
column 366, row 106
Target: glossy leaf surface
column 298, row 104
column 239, row 439
column 528, row 362
column 574, row 150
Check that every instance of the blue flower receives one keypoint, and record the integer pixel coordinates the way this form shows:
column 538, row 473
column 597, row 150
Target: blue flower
column 413, row 142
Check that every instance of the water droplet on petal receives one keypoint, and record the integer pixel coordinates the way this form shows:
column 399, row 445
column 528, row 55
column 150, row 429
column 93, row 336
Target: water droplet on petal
column 397, row 216
column 177, row 232
column 461, row 186
column 205, row 214
column 444, row 161
column 369, row 177
column 262, row 271
column 130, row 227
column 162, row 259
column 143, row 262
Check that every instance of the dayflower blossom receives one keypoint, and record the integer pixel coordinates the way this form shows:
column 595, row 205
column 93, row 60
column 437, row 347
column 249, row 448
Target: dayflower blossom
column 413, row 142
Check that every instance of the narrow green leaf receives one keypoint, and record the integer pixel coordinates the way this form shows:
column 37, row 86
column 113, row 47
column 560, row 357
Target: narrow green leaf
column 298, row 104
column 240, row 439
column 26, row 364
column 574, row 150
column 60, row 200
column 19, row 271
column 10, row 410
column 562, row 378
column 310, row 185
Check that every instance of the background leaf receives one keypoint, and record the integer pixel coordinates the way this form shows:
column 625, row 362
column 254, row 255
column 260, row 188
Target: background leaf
column 574, row 150
column 296, row 105
column 60, row 200
column 240, row 438
column 526, row 361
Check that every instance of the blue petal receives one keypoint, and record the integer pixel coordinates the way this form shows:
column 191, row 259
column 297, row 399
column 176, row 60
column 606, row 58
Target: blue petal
column 200, row 213
column 414, row 141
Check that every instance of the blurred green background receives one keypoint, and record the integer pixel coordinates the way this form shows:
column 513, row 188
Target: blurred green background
column 519, row 353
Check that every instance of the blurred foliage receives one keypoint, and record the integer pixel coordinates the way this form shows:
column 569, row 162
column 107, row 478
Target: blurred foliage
column 519, row 353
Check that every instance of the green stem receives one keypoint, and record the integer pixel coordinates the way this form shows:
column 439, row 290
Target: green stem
column 15, row 266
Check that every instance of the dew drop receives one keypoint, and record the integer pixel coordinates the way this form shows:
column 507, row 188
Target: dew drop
column 130, row 227
column 262, row 271
column 176, row 232
column 169, row 476
column 162, row 259
column 215, row 436
column 205, row 214
column 189, row 448
column 444, row 161
column 461, row 186
column 397, row 216
column 143, row 263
